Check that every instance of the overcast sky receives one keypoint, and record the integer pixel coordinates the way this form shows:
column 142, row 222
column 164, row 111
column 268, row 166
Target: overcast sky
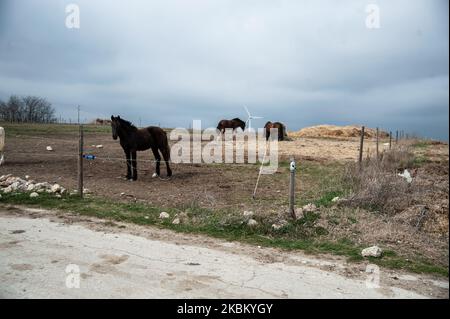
column 170, row 62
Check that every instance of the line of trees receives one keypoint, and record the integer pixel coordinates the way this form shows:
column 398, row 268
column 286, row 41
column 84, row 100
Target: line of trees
column 28, row 109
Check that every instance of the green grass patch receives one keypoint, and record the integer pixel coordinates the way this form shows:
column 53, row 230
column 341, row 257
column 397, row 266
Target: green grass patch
column 302, row 234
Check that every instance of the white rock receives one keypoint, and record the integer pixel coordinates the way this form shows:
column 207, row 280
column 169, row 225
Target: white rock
column 7, row 190
column 49, row 148
column 86, row 191
column 336, row 199
column 31, row 187
column 406, row 175
column 15, row 186
column 277, row 226
column 373, row 251
column 55, row 188
column 176, row 221
column 252, row 223
column 34, row 194
column 99, row 146
column 309, row 208
column 27, row 177
column 43, row 185
column 248, row 214
column 164, row 215
column 58, row 196
column 5, row 177
column 154, row 175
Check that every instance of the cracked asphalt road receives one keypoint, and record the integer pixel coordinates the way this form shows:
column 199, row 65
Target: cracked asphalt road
column 35, row 254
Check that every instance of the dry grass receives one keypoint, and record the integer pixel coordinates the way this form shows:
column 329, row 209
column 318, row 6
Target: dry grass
column 376, row 184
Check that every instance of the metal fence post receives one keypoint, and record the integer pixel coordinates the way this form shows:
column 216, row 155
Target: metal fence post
column 292, row 168
column 361, row 148
column 80, row 163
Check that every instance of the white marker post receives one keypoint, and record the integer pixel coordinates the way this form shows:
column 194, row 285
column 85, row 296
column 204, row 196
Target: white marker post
column 292, row 168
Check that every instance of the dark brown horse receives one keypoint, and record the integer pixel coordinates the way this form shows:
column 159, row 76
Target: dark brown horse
column 233, row 124
column 281, row 130
column 133, row 139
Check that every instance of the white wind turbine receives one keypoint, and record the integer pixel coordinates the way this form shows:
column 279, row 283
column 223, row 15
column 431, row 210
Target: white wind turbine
column 248, row 123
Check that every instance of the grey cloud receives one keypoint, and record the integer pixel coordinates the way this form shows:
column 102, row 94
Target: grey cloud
column 169, row 62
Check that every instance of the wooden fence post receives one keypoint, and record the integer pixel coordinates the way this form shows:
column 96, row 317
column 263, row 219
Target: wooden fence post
column 292, row 168
column 378, row 140
column 390, row 139
column 80, row 163
column 361, row 148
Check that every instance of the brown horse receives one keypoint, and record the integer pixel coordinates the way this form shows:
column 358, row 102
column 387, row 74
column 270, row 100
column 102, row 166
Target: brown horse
column 281, row 130
column 233, row 124
column 133, row 139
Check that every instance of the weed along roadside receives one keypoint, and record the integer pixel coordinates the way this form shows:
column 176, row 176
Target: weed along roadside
column 302, row 234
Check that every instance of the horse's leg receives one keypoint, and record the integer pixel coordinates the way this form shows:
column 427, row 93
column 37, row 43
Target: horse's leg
column 166, row 154
column 158, row 160
column 134, row 164
column 127, row 155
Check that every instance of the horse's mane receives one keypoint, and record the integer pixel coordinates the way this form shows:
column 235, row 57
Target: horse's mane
column 238, row 119
column 127, row 124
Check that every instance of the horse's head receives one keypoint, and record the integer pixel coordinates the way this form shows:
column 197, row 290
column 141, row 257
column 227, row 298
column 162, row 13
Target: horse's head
column 115, row 124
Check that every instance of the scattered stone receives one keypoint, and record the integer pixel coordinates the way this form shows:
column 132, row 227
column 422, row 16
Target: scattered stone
column 27, row 177
column 309, row 208
column 4, row 177
column 176, row 221
column 164, row 215
column 7, row 190
column 58, row 196
column 99, row 146
column 248, row 214
column 86, row 191
column 34, row 194
column 336, row 199
column 373, row 251
column 252, row 223
column 279, row 224
column 49, row 148
column 31, row 187
column 0, row 196
column 406, row 175
column 55, row 188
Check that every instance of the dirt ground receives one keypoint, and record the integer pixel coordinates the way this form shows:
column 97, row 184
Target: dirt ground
column 212, row 186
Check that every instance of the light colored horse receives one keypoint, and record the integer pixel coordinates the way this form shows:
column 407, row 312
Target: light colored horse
column 2, row 144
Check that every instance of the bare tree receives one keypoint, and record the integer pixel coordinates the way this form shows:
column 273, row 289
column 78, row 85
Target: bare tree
column 31, row 109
